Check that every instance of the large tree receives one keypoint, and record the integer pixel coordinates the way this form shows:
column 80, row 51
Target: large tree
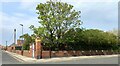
column 55, row 18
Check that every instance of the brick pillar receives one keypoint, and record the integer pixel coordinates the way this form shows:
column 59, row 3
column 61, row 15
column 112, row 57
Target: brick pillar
column 38, row 47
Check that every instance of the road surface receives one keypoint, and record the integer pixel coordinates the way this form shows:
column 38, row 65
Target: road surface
column 7, row 59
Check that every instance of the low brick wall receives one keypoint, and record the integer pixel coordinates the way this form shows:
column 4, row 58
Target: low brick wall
column 46, row 54
column 9, row 49
column 26, row 53
column 19, row 52
column 59, row 53
column 14, row 51
column 75, row 53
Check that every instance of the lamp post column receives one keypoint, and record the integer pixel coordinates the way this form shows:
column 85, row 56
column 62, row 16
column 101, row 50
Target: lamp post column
column 22, row 38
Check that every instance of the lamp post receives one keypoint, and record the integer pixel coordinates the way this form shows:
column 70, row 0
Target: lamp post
column 22, row 38
column 22, row 28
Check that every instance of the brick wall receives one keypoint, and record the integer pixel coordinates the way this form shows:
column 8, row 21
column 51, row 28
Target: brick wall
column 46, row 54
column 26, row 53
column 74, row 53
column 9, row 49
column 19, row 52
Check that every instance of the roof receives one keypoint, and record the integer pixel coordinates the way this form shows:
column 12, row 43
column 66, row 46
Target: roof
column 13, row 44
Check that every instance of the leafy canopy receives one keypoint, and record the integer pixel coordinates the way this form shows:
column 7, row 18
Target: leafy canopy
column 55, row 19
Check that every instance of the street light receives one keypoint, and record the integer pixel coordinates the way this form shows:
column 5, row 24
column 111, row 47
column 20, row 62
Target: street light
column 22, row 28
column 22, row 38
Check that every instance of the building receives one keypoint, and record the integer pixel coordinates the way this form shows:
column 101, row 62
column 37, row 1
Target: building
column 17, row 46
column 20, row 42
column 0, row 46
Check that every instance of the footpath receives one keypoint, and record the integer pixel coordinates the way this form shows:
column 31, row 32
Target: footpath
column 25, row 59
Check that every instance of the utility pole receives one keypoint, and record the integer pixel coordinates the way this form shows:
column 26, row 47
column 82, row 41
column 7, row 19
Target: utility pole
column 14, row 36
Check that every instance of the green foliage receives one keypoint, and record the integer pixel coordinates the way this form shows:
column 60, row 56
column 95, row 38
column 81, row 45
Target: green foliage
column 27, row 40
column 91, row 39
column 55, row 19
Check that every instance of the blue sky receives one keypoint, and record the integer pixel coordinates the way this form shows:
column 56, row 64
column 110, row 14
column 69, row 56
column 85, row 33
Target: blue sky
column 95, row 14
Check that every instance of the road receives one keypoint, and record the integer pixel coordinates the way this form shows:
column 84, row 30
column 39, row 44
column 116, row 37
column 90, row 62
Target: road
column 7, row 59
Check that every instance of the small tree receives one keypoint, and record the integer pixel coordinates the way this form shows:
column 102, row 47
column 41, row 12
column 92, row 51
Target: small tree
column 27, row 40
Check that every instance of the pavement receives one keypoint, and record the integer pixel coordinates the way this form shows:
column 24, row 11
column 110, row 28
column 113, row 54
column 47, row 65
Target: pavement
column 108, row 60
column 103, row 59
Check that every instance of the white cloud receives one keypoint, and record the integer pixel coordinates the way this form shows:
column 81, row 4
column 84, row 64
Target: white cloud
column 33, row 0
column 77, row 1
column 17, row 18
column 10, row 22
column 29, row 4
column 10, row 0
column 60, row 0
column 0, row 25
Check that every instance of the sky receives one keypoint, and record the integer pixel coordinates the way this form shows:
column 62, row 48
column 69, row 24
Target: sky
column 95, row 14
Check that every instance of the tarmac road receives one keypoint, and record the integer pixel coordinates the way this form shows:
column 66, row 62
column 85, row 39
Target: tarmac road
column 7, row 59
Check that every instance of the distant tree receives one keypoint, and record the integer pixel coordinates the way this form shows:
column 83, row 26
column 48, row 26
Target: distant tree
column 100, row 40
column 117, row 33
column 27, row 41
column 90, row 39
column 114, row 31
